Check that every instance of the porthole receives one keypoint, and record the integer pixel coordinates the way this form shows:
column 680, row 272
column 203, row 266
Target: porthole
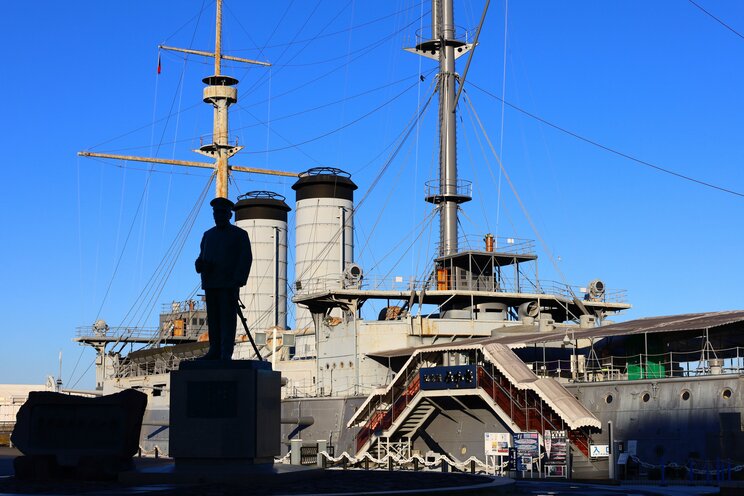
column 608, row 399
column 726, row 394
column 685, row 395
column 645, row 397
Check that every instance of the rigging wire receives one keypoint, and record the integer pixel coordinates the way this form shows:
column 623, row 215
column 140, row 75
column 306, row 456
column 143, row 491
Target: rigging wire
column 381, row 210
column 607, row 148
column 341, row 128
column 363, row 52
column 414, row 264
column 342, row 117
column 285, row 139
column 153, row 288
column 476, row 180
column 403, row 138
column 527, row 215
column 340, row 31
column 261, row 79
column 420, row 228
column 180, row 85
column 717, row 19
column 286, row 116
column 325, row 105
column 501, row 129
column 197, row 16
column 486, row 160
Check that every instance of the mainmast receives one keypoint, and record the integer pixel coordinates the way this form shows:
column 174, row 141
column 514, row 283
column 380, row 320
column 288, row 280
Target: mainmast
column 447, row 192
column 220, row 92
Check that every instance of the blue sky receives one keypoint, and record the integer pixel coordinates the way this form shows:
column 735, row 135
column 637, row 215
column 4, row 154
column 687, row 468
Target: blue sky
column 660, row 81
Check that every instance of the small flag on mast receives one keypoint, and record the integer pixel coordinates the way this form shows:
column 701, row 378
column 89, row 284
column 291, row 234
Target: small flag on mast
column 159, row 63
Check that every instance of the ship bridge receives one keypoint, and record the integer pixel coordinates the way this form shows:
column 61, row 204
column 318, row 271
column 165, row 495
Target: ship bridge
column 467, row 284
column 484, row 381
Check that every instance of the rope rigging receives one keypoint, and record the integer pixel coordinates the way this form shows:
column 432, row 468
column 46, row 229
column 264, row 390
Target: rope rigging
column 144, row 304
column 526, row 213
column 401, row 140
column 607, row 148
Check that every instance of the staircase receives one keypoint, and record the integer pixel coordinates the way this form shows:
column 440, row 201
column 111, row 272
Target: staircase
column 416, row 418
column 527, row 410
column 516, row 394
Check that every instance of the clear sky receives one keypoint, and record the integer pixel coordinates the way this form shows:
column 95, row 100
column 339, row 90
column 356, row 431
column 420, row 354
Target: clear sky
column 659, row 81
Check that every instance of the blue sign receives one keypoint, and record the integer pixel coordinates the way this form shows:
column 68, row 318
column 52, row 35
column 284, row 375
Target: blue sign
column 455, row 377
column 528, row 449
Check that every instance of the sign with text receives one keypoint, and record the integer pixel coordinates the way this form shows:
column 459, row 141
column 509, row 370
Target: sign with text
column 497, row 443
column 599, row 450
column 556, row 447
column 528, row 449
column 455, row 377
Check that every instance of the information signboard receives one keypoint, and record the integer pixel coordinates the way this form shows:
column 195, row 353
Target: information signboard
column 497, row 443
column 556, row 447
column 527, row 445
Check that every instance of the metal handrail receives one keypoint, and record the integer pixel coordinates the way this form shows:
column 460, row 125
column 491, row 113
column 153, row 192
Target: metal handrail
column 129, row 332
column 666, row 365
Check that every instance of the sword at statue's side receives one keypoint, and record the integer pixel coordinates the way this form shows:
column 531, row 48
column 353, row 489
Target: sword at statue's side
column 247, row 331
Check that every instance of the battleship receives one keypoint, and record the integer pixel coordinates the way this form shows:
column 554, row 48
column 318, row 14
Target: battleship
column 477, row 346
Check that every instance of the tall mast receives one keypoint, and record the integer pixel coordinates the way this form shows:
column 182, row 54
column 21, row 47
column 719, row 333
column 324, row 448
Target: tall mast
column 220, row 92
column 446, row 192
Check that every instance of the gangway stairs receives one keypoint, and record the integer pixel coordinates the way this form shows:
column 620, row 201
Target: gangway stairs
column 520, row 399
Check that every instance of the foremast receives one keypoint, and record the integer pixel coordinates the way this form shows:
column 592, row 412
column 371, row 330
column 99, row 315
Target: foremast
column 220, row 92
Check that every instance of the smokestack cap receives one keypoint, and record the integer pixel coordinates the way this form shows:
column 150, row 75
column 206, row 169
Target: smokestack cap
column 324, row 182
column 264, row 205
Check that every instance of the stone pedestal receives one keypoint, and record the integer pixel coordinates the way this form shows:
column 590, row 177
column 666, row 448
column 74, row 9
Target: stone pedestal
column 225, row 412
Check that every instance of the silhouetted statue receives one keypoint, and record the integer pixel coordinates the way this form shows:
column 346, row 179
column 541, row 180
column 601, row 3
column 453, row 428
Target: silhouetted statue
column 224, row 264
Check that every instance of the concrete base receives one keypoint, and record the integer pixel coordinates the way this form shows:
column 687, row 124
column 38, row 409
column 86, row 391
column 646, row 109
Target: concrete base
column 226, row 412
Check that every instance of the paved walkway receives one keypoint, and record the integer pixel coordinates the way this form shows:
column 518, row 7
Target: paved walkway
column 357, row 482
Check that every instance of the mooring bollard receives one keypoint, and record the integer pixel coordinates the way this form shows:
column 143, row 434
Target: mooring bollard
column 295, row 448
column 472, row 466
column 390, row 463
column 445, row 466
column 366, row 463
column 415, row 464
column 322, row 446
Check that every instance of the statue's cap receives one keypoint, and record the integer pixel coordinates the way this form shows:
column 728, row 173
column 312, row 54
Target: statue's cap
column 220, row 202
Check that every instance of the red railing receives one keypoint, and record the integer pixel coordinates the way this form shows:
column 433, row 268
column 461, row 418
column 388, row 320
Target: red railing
column 529, row 414
column 383, row 419
column 525, row 408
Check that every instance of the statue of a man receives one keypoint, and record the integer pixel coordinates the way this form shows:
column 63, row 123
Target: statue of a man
column 224, row 263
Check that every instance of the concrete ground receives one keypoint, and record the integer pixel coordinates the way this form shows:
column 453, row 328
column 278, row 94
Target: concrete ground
column 158, row 477
column 330, row 482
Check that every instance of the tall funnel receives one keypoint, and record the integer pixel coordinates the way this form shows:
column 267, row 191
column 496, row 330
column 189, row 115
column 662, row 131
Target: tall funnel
column 263, row 215
column 324, row 243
